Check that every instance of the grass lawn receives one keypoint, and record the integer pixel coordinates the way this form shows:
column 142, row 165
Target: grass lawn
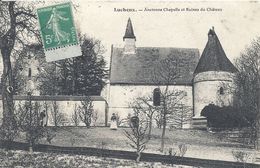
column 201, row 144
column 22, row 159
column 81, row 136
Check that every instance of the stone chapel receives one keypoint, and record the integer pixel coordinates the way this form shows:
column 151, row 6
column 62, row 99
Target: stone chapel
column 203, row 77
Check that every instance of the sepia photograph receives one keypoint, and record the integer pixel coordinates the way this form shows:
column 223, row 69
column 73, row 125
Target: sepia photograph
column 129, row 84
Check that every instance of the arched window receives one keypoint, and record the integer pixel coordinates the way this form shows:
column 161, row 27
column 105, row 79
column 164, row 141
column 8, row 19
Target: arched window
column 221, row 90
column 156, row 97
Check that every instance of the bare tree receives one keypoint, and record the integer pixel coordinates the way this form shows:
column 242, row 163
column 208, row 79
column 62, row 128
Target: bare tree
column 75, row 116
column 158, row 119
column 46, row 108
column 247, row 87
column 86, row 111
column 144, row 105
column 170, row 100
column 57, row 116
column 28, row 121
column 18, row 27
column 181, row 116
column 138, row 137
column 123, row 121
column 166, row 73
column 94, row 117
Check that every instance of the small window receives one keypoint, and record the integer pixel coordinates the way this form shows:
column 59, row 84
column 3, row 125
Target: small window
column 221, row 90
column 30, row 73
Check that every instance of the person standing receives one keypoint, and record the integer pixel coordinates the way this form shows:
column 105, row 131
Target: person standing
column 113, row 123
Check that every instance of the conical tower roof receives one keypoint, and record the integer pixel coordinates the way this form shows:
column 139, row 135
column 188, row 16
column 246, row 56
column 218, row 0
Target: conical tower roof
column 129, row 32
column 213, row 57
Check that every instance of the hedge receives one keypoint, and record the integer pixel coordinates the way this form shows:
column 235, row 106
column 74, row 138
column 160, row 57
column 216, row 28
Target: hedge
column 224, row 117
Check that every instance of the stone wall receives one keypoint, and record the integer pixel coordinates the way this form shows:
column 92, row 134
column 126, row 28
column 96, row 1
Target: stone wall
column 66, row 108
column 207, row 90
column 119, row 97
column 129, row 47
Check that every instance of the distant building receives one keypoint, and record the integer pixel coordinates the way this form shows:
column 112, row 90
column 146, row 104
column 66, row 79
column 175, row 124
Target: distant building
column 204, row 78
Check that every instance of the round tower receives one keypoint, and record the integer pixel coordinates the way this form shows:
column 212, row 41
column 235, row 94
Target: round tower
column 213, row 80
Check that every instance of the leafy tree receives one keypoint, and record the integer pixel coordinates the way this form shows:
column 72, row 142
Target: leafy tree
column 247, row 86
column 17, row 22
column 83, row 75
column 49, row 79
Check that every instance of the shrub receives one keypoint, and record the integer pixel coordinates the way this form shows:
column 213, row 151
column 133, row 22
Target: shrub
column 224, row 117
column 183, row 149
column 240, row 156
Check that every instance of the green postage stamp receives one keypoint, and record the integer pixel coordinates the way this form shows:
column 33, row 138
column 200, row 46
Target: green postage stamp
column 58, row 32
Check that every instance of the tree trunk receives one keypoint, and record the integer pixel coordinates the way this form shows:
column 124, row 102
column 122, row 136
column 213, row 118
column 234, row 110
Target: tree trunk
column 150, row 128
column 46, row 112
column 138, row 151
column 73, row 77
column 257, row 145
column 6, row 45
column 165, row 111
column 55, row 111
column 7, row 90
column 30, row 145
column 138, row 157
column 163, row 131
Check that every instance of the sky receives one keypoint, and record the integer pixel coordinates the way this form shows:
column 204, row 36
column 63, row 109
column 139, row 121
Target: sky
column 236, row 23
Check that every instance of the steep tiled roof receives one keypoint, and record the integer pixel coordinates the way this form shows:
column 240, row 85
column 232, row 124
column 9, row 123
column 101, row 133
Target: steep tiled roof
column 138, row 68
column 213, row 57
column 129, row 32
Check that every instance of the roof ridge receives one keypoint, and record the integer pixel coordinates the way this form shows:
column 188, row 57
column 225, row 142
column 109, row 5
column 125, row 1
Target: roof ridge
column 168, row 47
column 121, row 47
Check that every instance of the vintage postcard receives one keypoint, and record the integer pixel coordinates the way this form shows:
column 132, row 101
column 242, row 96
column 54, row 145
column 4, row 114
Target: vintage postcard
column 130, row 84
